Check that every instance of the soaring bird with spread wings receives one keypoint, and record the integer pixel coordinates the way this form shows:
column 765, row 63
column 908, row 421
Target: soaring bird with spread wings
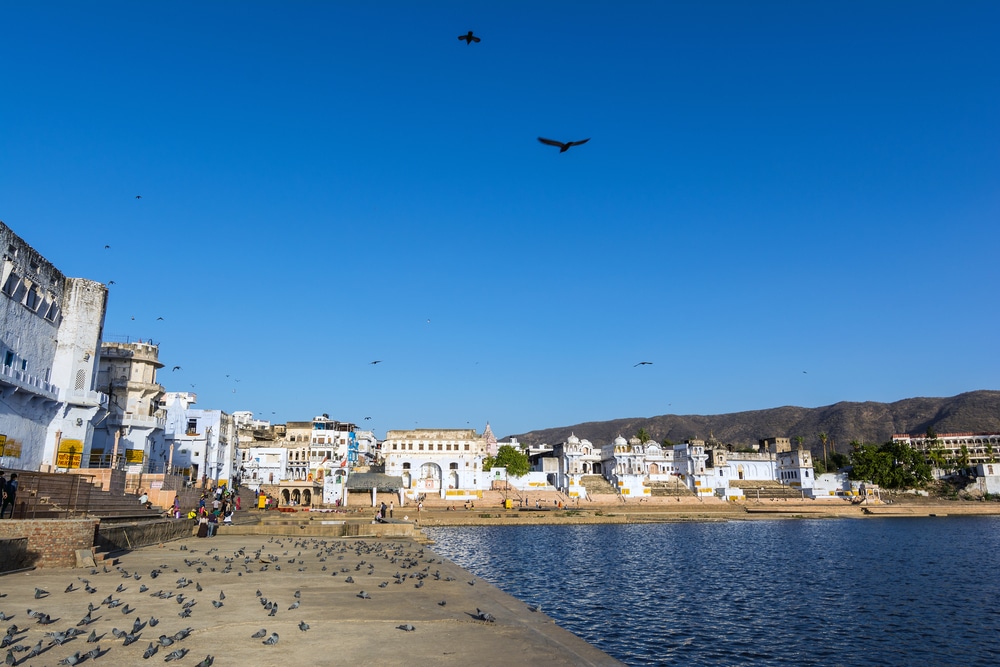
column 469, row 38
column 563, row 147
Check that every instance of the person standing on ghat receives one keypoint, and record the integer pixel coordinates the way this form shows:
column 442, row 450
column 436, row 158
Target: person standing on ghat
column 9, row 496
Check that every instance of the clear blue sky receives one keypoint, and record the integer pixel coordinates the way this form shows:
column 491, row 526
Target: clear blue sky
column 770, row 188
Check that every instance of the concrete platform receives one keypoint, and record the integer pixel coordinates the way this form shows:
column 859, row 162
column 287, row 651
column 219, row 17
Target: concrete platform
column 343, row 628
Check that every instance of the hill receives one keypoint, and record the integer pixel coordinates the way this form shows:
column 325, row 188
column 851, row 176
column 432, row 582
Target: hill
column 976, row 411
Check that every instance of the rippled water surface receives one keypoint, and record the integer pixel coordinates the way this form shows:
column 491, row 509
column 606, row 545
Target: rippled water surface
column 922, row 591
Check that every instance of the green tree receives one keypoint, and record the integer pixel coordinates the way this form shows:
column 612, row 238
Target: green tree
column 514, row 460
column 823, row 437
column 893, row 465
column 643, row 435
column 667, row 442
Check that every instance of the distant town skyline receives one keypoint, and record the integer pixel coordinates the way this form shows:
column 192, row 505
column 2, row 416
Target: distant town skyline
column 779, row 204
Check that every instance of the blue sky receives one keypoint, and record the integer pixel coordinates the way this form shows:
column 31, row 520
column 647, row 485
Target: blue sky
column 770, row 188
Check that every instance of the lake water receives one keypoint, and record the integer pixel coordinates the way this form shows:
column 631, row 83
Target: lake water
column 919, row 591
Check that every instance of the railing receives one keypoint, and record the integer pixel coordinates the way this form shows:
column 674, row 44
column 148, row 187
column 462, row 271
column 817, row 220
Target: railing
column 25, row 380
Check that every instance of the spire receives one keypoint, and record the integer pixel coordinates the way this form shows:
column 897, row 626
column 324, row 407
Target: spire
column 491, row 440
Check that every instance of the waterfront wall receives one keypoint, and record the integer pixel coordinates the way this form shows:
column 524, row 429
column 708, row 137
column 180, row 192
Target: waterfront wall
column 50, row 543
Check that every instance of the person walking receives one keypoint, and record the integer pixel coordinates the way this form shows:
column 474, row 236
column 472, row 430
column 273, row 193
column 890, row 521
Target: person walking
column 9, row 496
column 391, row 505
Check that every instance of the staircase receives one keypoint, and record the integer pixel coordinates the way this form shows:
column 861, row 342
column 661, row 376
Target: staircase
column 670, row 490
column 59, row 496
column 597, row 485
column 766, row 490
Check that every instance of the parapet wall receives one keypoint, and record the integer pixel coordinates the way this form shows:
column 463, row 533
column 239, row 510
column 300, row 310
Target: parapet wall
column 141, row 534
column 53, row 542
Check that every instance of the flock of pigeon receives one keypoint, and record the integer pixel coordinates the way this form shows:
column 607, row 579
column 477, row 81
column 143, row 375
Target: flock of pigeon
column 156, row 610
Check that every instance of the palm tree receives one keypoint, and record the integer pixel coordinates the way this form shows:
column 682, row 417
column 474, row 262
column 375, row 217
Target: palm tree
column 643, row 435
column 823, row 437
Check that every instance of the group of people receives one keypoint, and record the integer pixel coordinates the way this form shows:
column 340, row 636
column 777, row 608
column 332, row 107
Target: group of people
column 223, row 503
column 384, row 512
column 8, row 491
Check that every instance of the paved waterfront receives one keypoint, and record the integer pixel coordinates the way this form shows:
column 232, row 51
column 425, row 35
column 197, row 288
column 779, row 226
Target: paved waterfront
column 343, row 627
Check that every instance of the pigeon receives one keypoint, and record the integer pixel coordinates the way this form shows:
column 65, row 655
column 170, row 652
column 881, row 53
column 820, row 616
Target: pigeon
column 303, row 626
column 485, row 616
column 563, row 147
column 70, row 588
column 150, row 651
column 364, row 596
column 442, row 603
column 260, row 633
column 216, row 604
column 272, row 640
column 469, row 38
column 39, row 593
column 176, row 655
column 406, row 627
column 294, row 605
column 93, row 638
column 71, row 659
column 207, row 662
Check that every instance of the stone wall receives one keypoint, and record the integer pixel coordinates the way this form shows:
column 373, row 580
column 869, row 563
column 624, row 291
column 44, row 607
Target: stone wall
column 133, row 535
column 51, row 543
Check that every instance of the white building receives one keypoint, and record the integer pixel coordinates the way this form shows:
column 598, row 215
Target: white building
column 443, row 462
column 49, row 342
column 200, row 444
column 958, row 450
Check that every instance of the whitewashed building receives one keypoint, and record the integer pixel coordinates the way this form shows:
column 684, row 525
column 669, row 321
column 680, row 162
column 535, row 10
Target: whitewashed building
column 443, row 462
column 49, row 346
column 200, row 444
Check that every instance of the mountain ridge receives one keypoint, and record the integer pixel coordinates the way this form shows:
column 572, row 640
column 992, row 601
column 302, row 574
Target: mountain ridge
column 868, row 421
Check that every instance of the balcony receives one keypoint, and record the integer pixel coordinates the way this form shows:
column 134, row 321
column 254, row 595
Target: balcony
column 138, row 421
column 84, row 398
column 24, row 381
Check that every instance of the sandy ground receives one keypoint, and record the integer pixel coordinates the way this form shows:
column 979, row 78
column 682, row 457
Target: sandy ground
column 343, row 628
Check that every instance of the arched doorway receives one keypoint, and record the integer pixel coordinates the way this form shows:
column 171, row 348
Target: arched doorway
column 306, row 498
column 430, row 477
column 654, row 469
column 284, row 497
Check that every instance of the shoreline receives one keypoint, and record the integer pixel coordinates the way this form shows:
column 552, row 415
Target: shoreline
column 701, row 511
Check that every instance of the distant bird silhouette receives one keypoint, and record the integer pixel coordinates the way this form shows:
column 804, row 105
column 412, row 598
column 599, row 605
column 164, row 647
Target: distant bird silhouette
column 372, row 363
column 159, row 318
column 138, row 196
column 644, row 363
column 175, row 368
column 367, row 418
column 107, row 247
column 111, row 282
column 563, row 147
column 469, row 38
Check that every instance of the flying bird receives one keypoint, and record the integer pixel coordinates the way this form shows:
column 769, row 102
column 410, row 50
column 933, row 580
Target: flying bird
column 372, row 363
column 644, row 363
column 175, row 368
column 159, row 318
column 367, row 418
column 138, row 196
column 563, row 147
column 469, row 38
column 107, row 247
column 111, row 282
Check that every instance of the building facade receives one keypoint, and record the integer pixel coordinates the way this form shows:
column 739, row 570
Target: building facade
column 135, row 423
column 50, row 336
column 443, row 462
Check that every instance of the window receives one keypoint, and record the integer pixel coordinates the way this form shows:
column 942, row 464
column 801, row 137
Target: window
column 8, row 358
column 192, row 427
column 32, row 300
column 453, row 466
column 11, row 285
column 466, row 447
column 420, row 446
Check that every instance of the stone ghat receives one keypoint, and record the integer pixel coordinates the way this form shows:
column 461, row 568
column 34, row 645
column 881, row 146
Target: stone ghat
column 215, row 589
